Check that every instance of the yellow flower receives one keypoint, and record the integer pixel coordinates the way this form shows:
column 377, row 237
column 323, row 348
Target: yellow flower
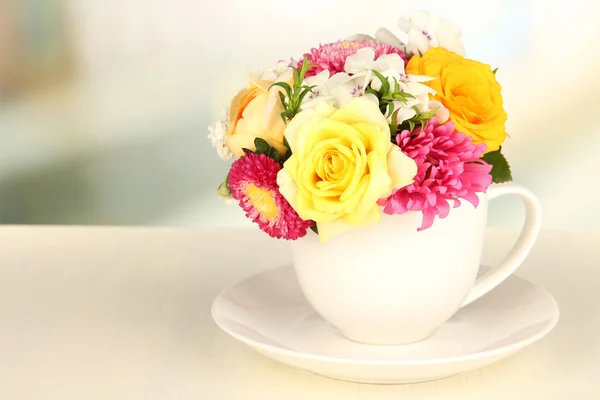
column 469, row 90
column 342, row 163
column 255, row 112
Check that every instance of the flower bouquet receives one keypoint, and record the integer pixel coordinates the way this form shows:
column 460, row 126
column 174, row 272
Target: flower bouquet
column 386, row 148
column 363, row 126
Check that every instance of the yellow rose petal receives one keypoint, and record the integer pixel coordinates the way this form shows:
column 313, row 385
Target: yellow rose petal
column 401, row 168
column 287, row 185
column 360, row 165
column 361, row 110
column 378, row 185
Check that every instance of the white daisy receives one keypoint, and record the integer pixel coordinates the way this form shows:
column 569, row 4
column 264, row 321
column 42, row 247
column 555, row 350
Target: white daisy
column 217, row 133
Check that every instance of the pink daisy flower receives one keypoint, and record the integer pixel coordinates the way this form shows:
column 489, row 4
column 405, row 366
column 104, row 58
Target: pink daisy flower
column 332, row 56
column 253, row 183
column 449, row 169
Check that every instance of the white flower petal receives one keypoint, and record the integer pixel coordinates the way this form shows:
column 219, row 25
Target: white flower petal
column 384, row 36
column 390, row 62
column 376, row 83
column 336, row 80
column 416, row 89
column 405, row 113
column 424, row 30
column 420, row 78
column 217, row 133
column 360, row 61
column 447, row 28
column 449, row 37
column 318, row 80
column 360, row 37
column 404, row 24
column 417, row 43
column 452, row 44
column 269, row 75
column 425, row 20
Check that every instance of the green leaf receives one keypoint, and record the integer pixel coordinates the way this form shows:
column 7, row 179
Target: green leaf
column 396, row 86
column 302, row 95
column 285, row 142
column 297, row 81
column 274, row 154
column 314, row 228
column 372, row 91
column 500, row 169
column 394, row 123
column 282, row 98
column 411, row 125
column 295, row 94
column 306, row 66
column 247, row 151
column 389, row 109
column 494, row 71
column 385, row 84
column 285, row 87
column 262, row 147
column 288, row 154
column 426, row 116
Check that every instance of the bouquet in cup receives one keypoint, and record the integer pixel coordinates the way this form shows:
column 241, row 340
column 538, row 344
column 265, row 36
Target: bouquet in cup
column 396, row 122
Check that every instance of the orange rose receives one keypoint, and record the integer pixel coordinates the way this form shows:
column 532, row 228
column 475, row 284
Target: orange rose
column 255, row 112
column 469, row 90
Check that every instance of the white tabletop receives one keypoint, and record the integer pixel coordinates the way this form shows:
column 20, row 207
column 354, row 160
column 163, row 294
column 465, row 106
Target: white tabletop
column 124, row 313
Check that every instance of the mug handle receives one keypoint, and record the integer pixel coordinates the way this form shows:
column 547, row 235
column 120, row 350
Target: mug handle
column 527, row 238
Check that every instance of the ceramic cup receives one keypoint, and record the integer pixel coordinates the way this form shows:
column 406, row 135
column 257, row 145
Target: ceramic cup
column 388, row 284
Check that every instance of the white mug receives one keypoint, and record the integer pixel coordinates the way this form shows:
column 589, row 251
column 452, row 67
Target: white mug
column 388, row 284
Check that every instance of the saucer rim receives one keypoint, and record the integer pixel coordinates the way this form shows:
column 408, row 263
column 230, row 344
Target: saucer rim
column 507, row 349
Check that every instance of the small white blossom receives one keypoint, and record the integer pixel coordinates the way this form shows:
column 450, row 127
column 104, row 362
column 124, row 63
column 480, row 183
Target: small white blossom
column 422, row 31
column 340, row 88
column 319, row 93
column 217, row 133
column 272, row 74
column 391, row 66
column 344, row 87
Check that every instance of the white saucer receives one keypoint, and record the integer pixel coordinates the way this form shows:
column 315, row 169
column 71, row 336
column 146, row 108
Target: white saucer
column 269, row 313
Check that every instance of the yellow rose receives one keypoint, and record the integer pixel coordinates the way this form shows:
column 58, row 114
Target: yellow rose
column 342, row 163
column 255, row 112
column 469, row 90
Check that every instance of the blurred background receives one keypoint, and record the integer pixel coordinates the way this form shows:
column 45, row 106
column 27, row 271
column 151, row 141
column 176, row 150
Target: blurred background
column 104, row 105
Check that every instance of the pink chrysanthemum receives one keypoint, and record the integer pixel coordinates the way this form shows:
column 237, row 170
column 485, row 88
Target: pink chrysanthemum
column 332, row 56
column 253, row 183
column 449, row 169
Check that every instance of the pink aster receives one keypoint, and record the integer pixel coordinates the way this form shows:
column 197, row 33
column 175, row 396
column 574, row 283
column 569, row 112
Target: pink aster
column 449, row 169
column 332, row 56
column 253, row 183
